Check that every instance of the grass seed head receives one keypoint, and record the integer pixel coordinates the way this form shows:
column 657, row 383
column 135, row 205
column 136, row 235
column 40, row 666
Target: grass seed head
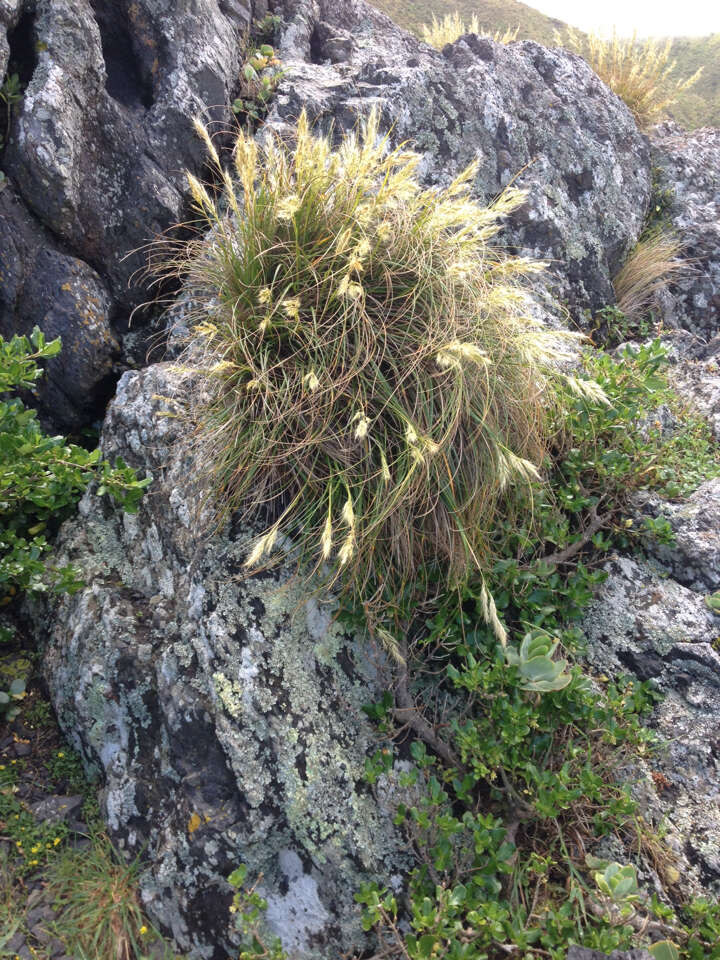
column 327, row 296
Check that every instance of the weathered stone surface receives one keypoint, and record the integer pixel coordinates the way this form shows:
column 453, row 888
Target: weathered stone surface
column 41, row 286
column 694, row 558
column 55, row 809
column 97, row 153
column 223, row 712
column 646, row 624
column 9, row 16
column 695, row 373
column 689, row 165
column 539, row 116
column 104, row 135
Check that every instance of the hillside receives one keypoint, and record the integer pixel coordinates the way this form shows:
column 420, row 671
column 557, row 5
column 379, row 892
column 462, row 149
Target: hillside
column 493, row 14
column 701, row 105
column 698, row 107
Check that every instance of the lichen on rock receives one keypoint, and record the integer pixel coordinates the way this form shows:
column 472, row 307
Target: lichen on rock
column 224, row 712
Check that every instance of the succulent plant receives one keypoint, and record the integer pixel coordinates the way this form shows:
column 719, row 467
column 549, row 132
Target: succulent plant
column 617, row 881
column 539, row 672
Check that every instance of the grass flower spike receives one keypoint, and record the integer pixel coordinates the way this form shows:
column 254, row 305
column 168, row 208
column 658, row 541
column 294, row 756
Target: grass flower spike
column 360, row 381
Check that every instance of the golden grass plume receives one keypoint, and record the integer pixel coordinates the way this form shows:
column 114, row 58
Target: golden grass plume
column 374, row 387
column 441, row 32
column 641, row 73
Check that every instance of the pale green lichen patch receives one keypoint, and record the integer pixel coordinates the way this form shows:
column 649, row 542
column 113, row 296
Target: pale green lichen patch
column 229, row 704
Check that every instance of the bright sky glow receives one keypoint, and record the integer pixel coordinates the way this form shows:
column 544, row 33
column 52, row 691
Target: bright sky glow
column 657, row 18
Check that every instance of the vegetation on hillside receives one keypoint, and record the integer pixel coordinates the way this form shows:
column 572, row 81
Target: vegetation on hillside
column 441, row 32
column 492, row 15
column 700, row 106
column 643, row 74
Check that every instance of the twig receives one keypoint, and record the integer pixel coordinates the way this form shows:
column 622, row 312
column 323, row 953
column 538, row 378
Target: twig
column 407, row 713
column 562, row 556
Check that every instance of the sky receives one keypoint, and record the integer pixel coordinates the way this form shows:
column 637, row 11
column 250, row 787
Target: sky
column 650, row 17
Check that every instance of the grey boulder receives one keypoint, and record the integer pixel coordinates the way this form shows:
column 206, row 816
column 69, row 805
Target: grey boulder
column 42, row 286
column 689, row 167
column 223, row 712
column 540, row 118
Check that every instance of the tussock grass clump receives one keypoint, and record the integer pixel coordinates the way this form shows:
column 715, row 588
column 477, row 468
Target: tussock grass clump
column 640, row 72
column 373, row 383
column 441, row 32
column 95, row 895
column 652, row 266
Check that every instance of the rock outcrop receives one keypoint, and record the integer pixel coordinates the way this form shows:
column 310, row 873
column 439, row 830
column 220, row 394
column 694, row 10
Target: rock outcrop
column 223, row 713
column 688, row 166
column 100, row 142
column 42, row 286
column 540, row 118
column 646, row 624
column 96, row 159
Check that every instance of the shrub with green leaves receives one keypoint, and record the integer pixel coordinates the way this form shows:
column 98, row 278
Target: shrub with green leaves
column 509, row 817
column 376, row 384
column 42, row 477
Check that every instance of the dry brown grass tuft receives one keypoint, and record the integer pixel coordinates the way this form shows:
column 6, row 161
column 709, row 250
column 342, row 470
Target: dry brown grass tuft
column 651, row 267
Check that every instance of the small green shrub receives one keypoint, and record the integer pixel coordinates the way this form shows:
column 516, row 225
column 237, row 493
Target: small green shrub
column 376, row 385
column 42, row 477
column 10, row 698
column 248, row 909
column 260, row 75
column 10, row 97
column 507, row 830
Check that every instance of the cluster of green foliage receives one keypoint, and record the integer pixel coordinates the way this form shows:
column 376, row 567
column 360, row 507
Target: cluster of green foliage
column 505, row 835
column 32, row 844
column 41, row 480
column 248, row 908
column 42, row 477
column 507, row 832
column 260, row 73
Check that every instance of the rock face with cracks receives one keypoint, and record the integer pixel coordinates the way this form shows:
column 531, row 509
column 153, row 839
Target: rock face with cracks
column 537, row 117
column 648, row 624
column 96, row 157
column 99, row 144
column 688, row 166
column 224, row 713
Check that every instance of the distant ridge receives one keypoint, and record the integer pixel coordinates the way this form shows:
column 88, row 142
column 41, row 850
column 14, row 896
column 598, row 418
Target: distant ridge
column 698, row 107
